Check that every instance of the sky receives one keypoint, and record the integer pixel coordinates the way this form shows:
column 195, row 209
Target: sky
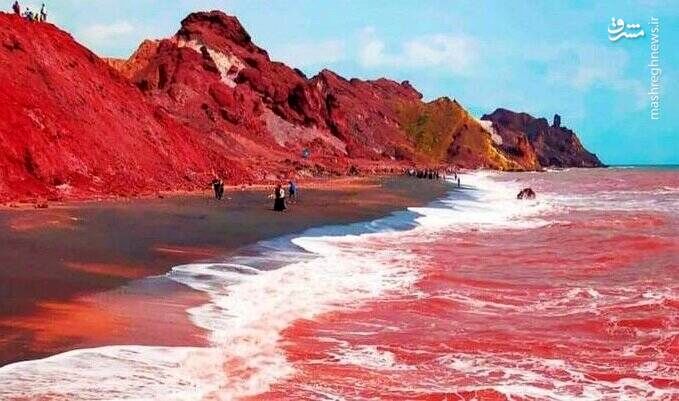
column 541, row 57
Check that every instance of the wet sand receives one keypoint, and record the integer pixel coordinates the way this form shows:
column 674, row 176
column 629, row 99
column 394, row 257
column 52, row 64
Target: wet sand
column 81, row 274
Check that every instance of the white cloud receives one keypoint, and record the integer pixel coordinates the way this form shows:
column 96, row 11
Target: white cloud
column 98, row 33
column 455, row 53
column 312, row 53
column 582, row 67
column 371, row 52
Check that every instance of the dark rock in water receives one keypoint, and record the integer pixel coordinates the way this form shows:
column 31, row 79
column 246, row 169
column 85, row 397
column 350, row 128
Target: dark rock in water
column 554, row 146
column 526, row 193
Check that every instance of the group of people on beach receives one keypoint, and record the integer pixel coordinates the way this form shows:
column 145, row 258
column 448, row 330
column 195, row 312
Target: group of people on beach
column 40, row 16
column 426, row 173
column 433, row 174
column 280, row 196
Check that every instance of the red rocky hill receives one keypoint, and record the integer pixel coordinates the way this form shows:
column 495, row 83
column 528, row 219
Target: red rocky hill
column 212, row 77
column 208, row 101
column 72, row 127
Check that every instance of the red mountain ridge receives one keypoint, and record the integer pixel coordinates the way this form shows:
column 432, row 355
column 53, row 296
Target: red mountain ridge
column 207, row 102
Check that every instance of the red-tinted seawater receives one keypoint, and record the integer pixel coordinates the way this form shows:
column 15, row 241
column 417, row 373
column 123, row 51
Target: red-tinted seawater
column 577, row 299
column 571, row 296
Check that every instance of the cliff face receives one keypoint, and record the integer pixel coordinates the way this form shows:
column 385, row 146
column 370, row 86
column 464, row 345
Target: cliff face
column 72, row 127
column 209, row 101
column 552, row 145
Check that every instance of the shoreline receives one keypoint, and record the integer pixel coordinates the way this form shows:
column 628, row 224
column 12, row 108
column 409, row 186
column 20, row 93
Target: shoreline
column 339, row 182
column 87, row 199
column 41, row 202
column 77, row 274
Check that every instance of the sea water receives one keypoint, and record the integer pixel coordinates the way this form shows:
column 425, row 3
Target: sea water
column 479, row 296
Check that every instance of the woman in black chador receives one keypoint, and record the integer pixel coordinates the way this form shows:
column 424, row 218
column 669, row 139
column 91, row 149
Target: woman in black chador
column 279, row 199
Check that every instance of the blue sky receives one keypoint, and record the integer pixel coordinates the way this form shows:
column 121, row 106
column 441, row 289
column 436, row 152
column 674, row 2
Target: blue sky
column 542, row 57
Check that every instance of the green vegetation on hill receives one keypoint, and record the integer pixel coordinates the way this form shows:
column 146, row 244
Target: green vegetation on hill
column 442, row 131
column 430, row 126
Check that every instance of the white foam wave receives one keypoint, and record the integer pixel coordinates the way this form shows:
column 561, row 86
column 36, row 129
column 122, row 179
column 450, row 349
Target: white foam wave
column 548, row 379
column 492, row 206
column 665, row 199
column 368, row 356
column 245, row 317
column 136, row 373
column 250, row 307
column 560, row 301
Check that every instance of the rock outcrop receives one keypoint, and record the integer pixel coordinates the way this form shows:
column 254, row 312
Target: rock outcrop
column 525, row 136
column 139, row 59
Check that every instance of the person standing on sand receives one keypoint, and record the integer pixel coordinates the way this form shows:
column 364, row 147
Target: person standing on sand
column 218, row 187
column 279, row 199
column 458, row 182
column 221, row 189
column 43, row 14
column 292, row 190
column 16, row 8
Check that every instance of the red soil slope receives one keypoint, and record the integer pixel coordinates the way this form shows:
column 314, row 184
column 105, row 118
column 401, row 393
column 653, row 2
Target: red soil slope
column 72, row 127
